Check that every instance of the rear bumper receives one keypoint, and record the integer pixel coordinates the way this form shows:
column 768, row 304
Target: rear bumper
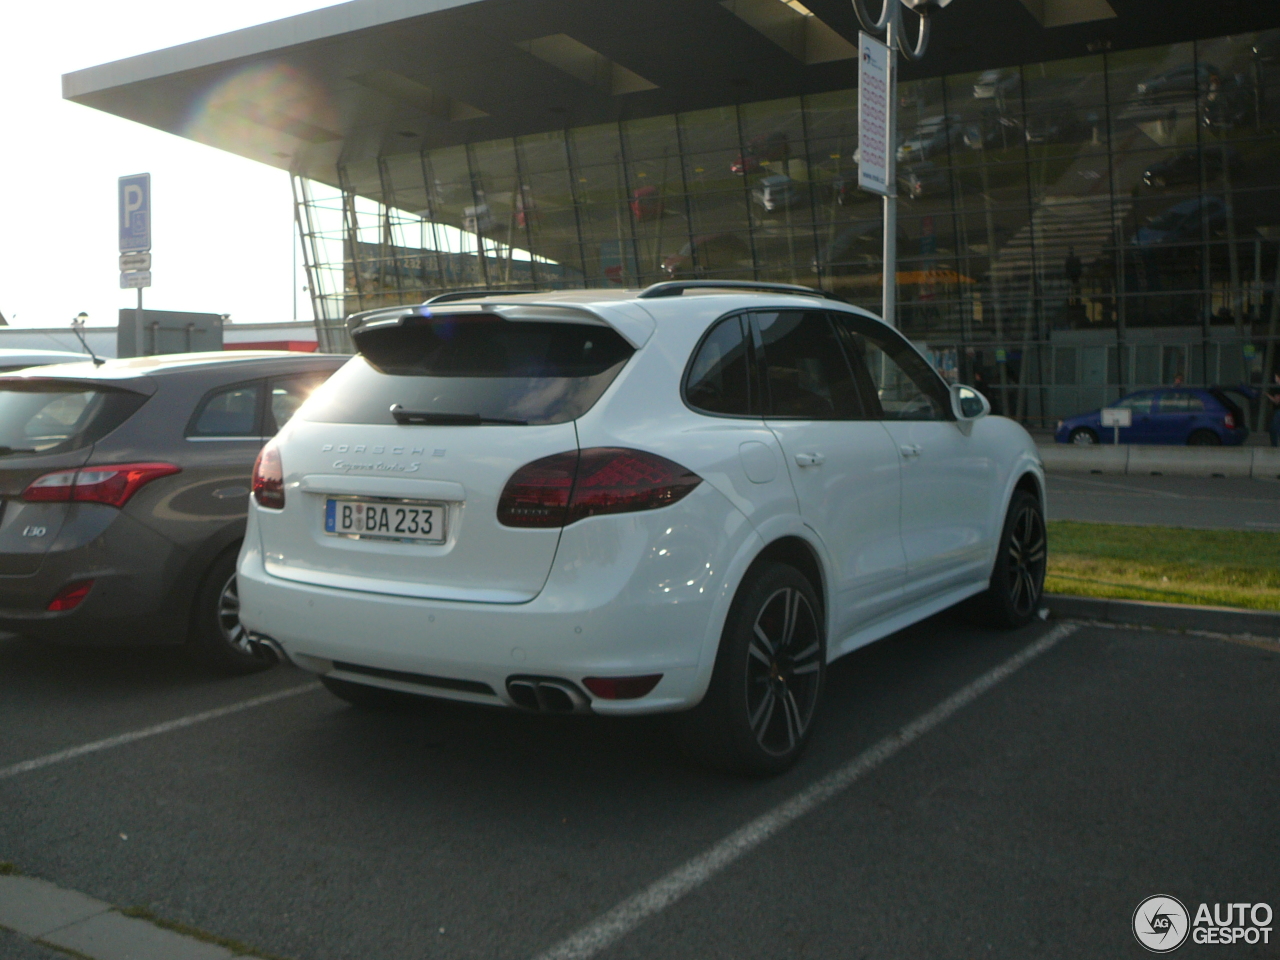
column 132, row 599
column 628, row 595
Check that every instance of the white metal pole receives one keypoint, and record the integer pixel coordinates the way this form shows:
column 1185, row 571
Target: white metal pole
column 889, row 292
column 137, row 328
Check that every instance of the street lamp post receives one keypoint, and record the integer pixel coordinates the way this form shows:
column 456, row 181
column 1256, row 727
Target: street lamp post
column 889, row 26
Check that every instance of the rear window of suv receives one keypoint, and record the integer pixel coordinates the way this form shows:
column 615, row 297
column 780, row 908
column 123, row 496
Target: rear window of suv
column 54, row 416
column 530, row 372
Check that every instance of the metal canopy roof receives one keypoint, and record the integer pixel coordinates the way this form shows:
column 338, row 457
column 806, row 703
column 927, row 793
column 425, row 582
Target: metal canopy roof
column 382, row 77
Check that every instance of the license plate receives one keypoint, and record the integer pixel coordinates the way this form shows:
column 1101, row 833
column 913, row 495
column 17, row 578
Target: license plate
column 384, row 519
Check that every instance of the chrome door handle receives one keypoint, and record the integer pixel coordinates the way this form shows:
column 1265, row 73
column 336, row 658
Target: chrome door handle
column 909, row 450
column 810, row 459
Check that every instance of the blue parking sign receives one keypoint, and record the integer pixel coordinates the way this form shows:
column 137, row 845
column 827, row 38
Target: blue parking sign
column 135, row 213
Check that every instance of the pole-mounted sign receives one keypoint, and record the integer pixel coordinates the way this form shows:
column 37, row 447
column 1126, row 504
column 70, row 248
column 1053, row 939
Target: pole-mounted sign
column 134, row 223
column 135, row 213
column 874, row 162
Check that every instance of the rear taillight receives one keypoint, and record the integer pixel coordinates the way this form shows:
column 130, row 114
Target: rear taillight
column 112, row 484
column 268, row 478
column 70, row 596
column 562, row 489
column 1229, row 421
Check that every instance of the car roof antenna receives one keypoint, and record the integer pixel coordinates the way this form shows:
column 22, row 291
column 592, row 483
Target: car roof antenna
column 77, row 327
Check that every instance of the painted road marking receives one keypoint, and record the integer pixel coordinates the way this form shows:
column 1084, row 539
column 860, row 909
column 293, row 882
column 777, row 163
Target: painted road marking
column 632, row 912
column 49, row 759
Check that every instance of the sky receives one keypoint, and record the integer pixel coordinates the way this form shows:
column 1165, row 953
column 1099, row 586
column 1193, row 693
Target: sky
column 60, row 162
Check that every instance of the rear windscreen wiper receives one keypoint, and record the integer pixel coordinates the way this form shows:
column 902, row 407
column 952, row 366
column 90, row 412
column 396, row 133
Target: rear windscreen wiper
column 430, row 418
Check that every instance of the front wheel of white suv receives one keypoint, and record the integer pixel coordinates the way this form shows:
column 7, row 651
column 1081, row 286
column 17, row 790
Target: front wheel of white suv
column 1017, row 579
column 759, row 711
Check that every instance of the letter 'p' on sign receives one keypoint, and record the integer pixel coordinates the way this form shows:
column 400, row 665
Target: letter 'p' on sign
column 135, row 213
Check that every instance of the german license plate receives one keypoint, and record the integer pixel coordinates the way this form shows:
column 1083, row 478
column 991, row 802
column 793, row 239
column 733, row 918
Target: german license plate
column 384, row 519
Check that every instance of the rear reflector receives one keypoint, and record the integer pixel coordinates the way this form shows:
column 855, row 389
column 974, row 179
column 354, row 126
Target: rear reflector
column 621, row 688
column 268, row 478
column 567, row 487
column 112, row 484
column 70, row 596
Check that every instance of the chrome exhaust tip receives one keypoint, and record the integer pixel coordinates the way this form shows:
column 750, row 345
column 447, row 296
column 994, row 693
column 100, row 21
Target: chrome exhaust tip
column 547, row 695
column 266, row 649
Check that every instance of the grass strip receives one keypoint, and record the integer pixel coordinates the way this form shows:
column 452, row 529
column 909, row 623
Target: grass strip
column 1225, row 568
column 195, row 933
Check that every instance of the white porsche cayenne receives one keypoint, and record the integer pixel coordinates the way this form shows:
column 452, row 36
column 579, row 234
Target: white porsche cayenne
column 685, row 499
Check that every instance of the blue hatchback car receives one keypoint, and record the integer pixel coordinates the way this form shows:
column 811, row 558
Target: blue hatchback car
column 1197, row 416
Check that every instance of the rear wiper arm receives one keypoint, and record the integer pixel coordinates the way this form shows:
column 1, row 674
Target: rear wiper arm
column 430, row 418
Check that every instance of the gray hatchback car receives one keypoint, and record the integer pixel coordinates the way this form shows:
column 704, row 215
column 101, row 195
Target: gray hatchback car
column 124, row 486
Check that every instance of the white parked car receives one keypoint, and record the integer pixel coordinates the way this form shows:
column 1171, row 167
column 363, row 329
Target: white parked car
column 689, row 499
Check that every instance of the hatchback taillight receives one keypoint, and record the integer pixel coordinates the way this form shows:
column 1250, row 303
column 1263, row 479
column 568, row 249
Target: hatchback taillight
column 112, row 484
column 268, row 478
column 1229, row 421
column 566, row 487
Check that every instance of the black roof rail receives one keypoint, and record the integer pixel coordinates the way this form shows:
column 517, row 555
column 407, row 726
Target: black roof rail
column 472, row 295
column 675, row 288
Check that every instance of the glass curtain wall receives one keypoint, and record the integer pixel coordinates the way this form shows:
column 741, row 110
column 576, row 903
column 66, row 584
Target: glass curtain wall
column 1068, row 231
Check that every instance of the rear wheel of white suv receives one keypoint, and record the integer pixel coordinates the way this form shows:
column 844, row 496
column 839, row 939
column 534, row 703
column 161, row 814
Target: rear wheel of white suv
column 759, row 711
column 217, row 636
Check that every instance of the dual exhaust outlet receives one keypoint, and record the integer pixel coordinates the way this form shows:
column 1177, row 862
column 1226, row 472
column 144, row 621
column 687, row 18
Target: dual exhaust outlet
column 547, row 695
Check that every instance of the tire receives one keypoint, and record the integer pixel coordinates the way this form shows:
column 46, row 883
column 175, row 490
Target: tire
column 217, row 636
column 1017, row 579
column 1204, row 438
column 365, row 697
column 1083, row 436
column 772, row 654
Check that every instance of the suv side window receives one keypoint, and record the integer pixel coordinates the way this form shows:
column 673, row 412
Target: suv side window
column 228, row 412
column 719, row 378
column 805, row 372
column 286, row 395
column 903, row 385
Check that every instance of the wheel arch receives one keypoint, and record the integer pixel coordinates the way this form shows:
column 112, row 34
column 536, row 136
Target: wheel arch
column 794, row 551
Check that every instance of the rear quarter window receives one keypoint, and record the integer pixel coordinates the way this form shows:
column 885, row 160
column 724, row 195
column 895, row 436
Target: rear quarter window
column 53, row 416
column 532, row 372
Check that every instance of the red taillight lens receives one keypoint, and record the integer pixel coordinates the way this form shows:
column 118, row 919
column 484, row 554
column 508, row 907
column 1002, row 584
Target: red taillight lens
column 51, row 487
column 1229, row 421
column 621, row 688
column 562, row 489
column 70, row 596
column 268, row 478
column 537, row 494
column 112, row 484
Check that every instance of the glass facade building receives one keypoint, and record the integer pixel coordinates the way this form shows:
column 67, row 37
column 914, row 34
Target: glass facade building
column 1068, row 231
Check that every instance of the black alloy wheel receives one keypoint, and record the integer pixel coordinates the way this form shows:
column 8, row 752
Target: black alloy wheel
column 1017, row 579
column 783, row 671
column 217, row 636
column 759, row 711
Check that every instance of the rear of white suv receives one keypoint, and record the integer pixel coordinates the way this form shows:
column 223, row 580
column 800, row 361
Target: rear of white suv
column 575, row 502
column 554, row 561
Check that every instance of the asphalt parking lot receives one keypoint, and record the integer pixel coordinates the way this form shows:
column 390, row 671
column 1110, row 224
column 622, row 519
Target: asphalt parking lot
column 1028, row 817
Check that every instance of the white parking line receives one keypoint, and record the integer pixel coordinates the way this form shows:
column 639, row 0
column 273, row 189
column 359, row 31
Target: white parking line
column 49, row 759
column 629, row 914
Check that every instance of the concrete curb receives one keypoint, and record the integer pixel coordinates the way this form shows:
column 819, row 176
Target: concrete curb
column 1261, row 463
column 1165, row 616
column 67, row 920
